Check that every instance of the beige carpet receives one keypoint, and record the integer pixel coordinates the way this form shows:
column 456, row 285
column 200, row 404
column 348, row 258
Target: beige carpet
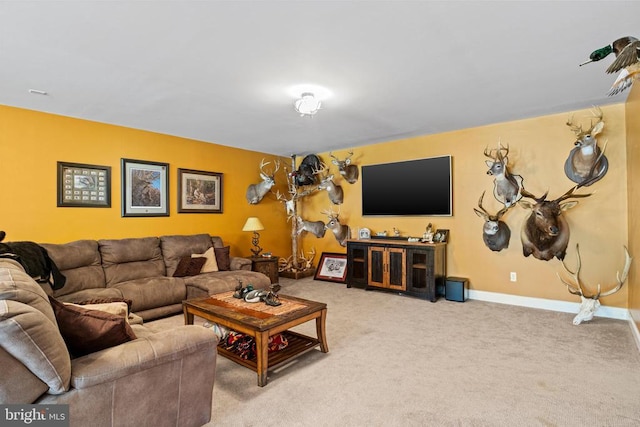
column 402, row 361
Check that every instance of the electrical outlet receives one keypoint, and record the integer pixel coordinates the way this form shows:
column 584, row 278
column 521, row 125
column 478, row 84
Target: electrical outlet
column 513, row 276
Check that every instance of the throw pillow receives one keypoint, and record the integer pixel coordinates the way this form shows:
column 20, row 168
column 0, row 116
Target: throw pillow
column 211, row 264
column 107, row 300
column 87, row 331
column 189, row 266
column 117, row 308
column 222, row 258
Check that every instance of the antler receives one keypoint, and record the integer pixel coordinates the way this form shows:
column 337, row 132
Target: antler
column 580, row 133
column 573, row 290
column 496, row 153
column 578, row 291
column 263, row 164
column 569, row 194
column 525, row 193
column 330, row 213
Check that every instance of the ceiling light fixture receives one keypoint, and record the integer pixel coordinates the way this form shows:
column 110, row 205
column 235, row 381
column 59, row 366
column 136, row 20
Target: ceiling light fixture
column 307, row 105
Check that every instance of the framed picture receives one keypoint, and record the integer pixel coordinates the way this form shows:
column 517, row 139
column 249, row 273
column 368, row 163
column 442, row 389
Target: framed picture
column 145, row 188
column 441, row 236
column 82, row 185
column 199, row 191
column 364, row 233
column 332, row 267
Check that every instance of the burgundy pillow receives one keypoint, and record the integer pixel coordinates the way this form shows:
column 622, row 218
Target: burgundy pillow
column 222, row 256
column 87, row 331
column 189, row 266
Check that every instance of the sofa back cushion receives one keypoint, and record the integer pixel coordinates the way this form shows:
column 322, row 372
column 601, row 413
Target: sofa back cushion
column 130, row 259
column 79, row 262
column 176, row 247
column 29, row 333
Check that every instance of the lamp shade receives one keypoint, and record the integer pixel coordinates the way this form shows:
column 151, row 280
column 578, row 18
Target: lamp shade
column 252, row 224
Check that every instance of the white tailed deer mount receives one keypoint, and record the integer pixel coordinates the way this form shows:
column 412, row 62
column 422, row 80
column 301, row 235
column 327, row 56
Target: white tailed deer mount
column 341, row 231
column 317, row 228
column 506, row 187
column 590, row 303
column 335, row 192
column 347, row 170
column 255, row 192
column 495, row 233
column 545, row 233
column 586, row 161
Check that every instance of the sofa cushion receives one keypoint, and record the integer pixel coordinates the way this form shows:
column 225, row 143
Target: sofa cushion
column 89, row 294
column 130, row 259
column 223, row 281
column 152, row 292
column 189, row 266
column 34, row 340
column 175, row 247
column 223, row 259
column 116, row 308
column 79, row 262
column 87, row 331
column 19, row 384
column 211, row 264
column 16, row 285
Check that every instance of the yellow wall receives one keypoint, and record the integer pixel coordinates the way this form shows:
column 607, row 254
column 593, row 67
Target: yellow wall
column 538, row 149
column 633, row 167
column 32, row 144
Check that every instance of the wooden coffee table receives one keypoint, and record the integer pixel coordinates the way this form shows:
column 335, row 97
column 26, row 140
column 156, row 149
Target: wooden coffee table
column 262, row 321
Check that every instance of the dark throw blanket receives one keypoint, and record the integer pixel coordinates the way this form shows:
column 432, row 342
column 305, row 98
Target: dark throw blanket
column 35, row 261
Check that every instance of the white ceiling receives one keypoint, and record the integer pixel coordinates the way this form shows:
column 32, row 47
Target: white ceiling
column 222, row 71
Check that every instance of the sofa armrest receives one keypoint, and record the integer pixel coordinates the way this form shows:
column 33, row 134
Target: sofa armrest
column 141, row 354
column 239, row 263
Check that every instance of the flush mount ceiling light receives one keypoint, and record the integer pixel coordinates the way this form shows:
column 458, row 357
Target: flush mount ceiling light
column 307, row 105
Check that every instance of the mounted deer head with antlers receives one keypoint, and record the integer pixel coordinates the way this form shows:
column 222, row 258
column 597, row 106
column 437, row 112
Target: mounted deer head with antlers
column 506, row 187
column 586, row 161
column 545, row 233
column 255, row 192
column 495, row 233
column 347, row 170
column 590, row 303
column 341, row 231
column 335, row 192
column 317, row 228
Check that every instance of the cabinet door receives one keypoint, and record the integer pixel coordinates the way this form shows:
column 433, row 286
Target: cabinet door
column 357, row 265
column 377, row 266
column 396, row 269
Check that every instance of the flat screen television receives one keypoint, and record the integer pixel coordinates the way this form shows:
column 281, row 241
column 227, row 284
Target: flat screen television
column 408, row 188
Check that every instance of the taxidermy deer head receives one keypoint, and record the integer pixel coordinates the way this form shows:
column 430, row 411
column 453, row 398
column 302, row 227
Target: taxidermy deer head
column 347, row 170
column 590, row 303
column 335, row 192
column 545, row 233
column 495, row 233
column 506, row 187
column 255, row 192
column 586, row 161
column 341, row 231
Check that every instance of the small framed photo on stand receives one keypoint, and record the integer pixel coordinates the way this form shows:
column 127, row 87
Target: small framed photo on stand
column 441, row 236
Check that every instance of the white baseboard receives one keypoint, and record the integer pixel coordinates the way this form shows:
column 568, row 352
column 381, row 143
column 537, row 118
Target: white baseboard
column 547, row 304
column 634, row 331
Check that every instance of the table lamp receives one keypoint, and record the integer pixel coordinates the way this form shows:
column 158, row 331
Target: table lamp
column 254, row 224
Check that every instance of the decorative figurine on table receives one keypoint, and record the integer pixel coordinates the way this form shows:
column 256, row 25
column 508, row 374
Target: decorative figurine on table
column 242, row 291
column 427, row 237
column 396, row 232
column 627, row 62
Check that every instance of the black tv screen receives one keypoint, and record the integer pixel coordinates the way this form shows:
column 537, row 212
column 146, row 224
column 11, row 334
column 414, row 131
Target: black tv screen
column 413, row 187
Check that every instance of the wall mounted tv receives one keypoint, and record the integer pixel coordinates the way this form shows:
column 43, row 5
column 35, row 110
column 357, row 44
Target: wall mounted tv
column 408, row 188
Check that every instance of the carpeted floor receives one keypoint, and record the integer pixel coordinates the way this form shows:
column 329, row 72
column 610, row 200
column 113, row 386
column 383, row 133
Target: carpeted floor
column 400, row 361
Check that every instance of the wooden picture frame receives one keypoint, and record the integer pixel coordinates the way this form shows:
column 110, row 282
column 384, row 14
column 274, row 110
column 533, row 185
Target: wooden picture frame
column 332, row 267
column 441, row 236
column 199, row 191
column 145, row 188
column 84, row 185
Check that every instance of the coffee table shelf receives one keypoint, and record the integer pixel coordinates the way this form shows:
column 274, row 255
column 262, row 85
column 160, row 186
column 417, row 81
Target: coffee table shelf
column 298, row 344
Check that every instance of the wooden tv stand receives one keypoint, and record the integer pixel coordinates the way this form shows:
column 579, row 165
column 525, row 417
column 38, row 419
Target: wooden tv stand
column 412, row 268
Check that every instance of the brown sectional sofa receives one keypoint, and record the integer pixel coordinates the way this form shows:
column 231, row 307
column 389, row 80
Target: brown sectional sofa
column 141, row 269
column 160, row 378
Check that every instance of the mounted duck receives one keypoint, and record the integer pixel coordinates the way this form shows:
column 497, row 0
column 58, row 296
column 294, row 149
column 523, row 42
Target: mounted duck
column 627, row 62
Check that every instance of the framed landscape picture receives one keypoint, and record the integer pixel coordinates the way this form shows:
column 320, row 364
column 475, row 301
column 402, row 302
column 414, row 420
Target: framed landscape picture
column 199, row 191
column 83, row 185
column 332, row 267
column 145, row 188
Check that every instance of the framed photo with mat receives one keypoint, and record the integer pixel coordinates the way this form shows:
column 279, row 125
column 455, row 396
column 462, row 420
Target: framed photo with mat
column 332, row 267
column 145, row 188
column 83, row 185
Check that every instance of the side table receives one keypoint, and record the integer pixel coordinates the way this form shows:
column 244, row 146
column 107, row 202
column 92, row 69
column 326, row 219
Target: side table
column 268, row 266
